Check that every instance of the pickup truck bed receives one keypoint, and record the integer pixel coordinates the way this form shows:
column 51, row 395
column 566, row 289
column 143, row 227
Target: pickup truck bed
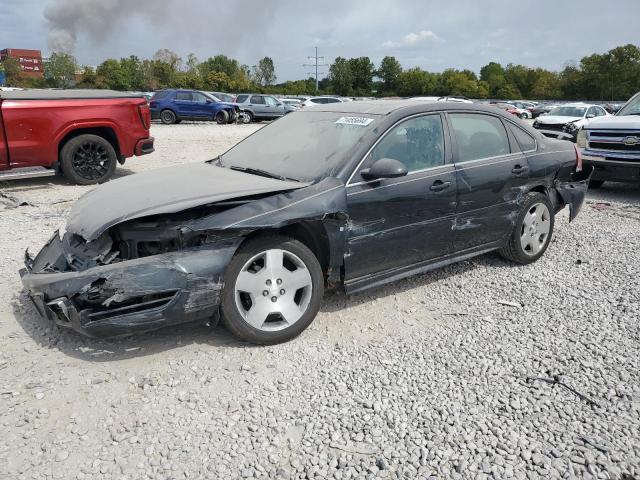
column 80, row 133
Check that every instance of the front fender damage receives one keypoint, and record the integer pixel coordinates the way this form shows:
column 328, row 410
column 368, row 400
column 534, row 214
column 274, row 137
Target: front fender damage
column 324, row 202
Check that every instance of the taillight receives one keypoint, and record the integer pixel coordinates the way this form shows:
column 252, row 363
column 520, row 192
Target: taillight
column 145, row 115
column 578, row 158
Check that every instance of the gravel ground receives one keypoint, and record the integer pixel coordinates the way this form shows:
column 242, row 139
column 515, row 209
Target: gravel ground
column 423, row 378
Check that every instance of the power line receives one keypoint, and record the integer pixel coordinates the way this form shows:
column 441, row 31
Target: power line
column 318, row 62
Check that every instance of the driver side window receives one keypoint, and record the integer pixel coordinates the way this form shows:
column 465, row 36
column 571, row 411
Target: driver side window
column 418, row 143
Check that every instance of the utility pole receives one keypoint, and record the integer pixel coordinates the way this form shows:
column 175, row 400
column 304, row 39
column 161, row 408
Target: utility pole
column 317, row 62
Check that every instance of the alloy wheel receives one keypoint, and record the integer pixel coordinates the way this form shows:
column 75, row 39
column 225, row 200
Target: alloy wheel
column 536, row 226
column 273, row 290
column 91, row 160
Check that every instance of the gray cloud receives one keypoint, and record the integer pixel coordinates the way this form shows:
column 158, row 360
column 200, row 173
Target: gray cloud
column 544, row 33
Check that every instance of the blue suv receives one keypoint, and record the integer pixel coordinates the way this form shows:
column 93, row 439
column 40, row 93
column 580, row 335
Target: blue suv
column 173, row 106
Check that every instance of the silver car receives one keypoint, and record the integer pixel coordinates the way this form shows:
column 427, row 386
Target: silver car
column 256, row 107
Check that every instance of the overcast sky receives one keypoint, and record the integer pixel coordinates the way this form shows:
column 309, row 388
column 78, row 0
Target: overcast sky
column 431, row 34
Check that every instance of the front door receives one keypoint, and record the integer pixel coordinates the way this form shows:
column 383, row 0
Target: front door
column 397, row 224
column 273, row 107
column 490, row 174
column 202, row 105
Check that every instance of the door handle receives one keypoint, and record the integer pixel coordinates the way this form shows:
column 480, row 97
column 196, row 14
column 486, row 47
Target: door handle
column 518, row 170
column 439, row 186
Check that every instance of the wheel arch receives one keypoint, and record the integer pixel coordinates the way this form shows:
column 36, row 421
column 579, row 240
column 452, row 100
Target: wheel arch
column 311, row 233
column 105, row 132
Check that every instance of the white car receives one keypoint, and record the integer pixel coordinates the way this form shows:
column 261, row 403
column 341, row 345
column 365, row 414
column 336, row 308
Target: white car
column 564, row 122
column 321, row 101
column 293, row 102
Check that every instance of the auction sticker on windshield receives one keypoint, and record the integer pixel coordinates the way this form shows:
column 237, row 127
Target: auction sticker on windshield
column 355, row 121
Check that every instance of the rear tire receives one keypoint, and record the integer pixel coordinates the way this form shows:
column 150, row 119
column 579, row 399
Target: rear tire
column 168, row 117
column 222, row 117
column 273, row 290
column 88, row 159
column 595, row 184
column 532, row 232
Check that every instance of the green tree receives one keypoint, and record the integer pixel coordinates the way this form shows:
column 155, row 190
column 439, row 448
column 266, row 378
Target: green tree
column 88, row 78
column 389, row 71
column 362, row 71
column 493, row 75
column 219, row 63
column 111, row 75
column 264, row 72
column 192, row 63
column 60, row 70
column 340, row 76
column 132, row 72
column 416, row 82
column 169, row 57
column 13, row 72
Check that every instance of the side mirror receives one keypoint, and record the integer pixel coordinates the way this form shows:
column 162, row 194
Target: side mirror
column 591, row 115
column 384, row 168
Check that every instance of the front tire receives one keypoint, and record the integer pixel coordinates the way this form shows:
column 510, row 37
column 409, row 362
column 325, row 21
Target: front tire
column 248, row 117
column 222, row 117
column 273, row 290
column 533, row 230
column 88, row 159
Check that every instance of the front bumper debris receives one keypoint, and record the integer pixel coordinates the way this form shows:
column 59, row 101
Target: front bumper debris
column 129, row 296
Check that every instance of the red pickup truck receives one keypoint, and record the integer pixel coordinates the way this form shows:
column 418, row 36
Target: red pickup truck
column 82, row 134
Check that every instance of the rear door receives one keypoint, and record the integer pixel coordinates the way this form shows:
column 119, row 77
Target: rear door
column 490, row 173
column 399, row 223
column 258, row 105
column 184, row 104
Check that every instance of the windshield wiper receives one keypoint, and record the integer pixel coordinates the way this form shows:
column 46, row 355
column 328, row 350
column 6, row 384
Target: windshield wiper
column 262, row 173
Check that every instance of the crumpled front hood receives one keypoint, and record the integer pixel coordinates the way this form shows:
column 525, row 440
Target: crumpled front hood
column 622, row 122
column 166, row 190
column 556, row 119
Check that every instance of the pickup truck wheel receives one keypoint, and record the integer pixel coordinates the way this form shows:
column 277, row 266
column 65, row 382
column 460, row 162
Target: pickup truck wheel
column 533, row 229
column 168, row 117
column 273, row 290
column 222, row 117
column 88, row 159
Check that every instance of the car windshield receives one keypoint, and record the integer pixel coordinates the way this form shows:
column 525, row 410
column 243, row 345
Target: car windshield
column 305, row 146
column 568, row 111
column 631, row 108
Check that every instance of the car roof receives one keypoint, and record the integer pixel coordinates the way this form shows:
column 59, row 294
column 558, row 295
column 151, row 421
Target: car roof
column 385, row 107
column 72, row 94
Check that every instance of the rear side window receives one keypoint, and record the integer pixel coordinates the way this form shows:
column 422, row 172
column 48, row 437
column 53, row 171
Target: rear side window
column 183, row 96
column 241, row 98
column 318, row 100
column 160, row 95
column 333, row 100
column 526, row 141
column 257, row 100
column 479, row 136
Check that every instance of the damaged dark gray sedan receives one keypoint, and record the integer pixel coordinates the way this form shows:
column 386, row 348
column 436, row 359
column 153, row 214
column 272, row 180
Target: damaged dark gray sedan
column 348, row 196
